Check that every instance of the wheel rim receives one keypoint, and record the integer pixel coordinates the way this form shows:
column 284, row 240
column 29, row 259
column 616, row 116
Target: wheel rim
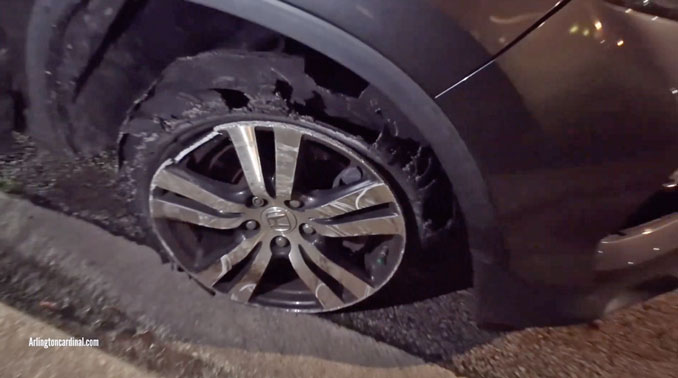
column 276, row 214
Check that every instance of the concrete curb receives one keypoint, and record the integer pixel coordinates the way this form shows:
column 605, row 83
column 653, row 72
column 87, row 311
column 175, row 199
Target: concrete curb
column 240, row 338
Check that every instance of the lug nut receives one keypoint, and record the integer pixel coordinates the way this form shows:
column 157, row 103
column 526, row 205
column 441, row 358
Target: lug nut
column 251, row 225
column 307, row 229
column 258, row 202
column 281, row 241
column 295, row 204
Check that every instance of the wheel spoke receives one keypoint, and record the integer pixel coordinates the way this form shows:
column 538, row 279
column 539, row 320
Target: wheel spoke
column 320, row 290
column 244, row 140
column 181, row 210
column 196, row 187
column 354, row 197
column 243, row 290
column 355, row 285
column 382, row 222
column 287, row 144
column 221, row 267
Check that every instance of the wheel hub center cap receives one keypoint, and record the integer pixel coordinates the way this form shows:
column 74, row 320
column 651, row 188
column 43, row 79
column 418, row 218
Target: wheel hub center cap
column 279, row 219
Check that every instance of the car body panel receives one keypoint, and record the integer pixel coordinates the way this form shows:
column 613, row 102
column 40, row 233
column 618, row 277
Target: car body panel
column 576, row 129
column 436, row 42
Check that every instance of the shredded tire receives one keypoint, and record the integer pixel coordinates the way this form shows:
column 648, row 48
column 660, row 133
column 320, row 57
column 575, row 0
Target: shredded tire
column 230, row 84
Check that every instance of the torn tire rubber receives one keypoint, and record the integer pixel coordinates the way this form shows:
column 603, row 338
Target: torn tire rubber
column 197, row 170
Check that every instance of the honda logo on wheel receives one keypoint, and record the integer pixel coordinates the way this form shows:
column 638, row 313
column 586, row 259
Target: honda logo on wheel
column 279, row 219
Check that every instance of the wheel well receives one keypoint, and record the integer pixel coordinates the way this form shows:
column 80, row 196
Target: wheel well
column 96, row 75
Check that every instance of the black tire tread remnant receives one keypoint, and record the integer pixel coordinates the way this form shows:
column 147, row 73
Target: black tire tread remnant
column 45, row 50
column 189, row 93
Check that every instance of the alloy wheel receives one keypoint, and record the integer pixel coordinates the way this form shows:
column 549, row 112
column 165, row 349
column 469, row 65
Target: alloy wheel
column 278, row 214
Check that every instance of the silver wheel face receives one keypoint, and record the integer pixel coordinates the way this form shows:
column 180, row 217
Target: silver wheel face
column 276, row 214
